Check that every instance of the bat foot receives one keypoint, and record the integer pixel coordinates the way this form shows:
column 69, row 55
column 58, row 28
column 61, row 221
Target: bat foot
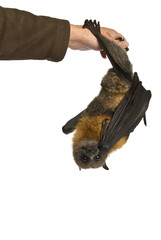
column 121, row 40
column 93, row 26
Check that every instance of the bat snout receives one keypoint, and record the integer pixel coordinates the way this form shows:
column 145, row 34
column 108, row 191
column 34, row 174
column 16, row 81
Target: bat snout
column 92, row 150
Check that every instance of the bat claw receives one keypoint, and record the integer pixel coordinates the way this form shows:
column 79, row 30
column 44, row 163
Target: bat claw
column 120, row 39
column 93, row 26
column 144, row 118
column 105, row 166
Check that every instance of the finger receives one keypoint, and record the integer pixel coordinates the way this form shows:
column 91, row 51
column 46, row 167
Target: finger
column 122, row 42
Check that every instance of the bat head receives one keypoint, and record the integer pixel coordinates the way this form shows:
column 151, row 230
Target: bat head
column 87, row 154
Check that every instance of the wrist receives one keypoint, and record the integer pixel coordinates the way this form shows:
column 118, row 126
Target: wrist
column 75, row 36
column 82, row 39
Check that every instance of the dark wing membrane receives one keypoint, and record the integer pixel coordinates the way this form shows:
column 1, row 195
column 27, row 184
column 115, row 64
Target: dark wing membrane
column 127, row 116
column 121, row 65
column 71, row 124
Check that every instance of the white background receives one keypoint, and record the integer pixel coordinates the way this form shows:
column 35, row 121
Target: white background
column 43, row 195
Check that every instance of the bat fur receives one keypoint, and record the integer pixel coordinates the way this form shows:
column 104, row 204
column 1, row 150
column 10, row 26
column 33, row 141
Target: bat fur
column 88, row 128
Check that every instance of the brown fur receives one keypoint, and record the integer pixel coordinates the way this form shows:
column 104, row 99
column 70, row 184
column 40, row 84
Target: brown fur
column 89, row 128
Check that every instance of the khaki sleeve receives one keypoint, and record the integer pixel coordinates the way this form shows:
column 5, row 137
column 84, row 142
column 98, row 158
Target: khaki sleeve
column 27, row 36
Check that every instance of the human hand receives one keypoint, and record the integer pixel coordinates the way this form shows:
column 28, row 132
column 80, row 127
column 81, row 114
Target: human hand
column 83, row 39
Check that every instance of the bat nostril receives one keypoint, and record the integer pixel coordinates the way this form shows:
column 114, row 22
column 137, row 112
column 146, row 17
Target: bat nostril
column 92, row 151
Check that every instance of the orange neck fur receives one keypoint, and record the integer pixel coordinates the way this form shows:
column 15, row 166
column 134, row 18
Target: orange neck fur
column 90, row 127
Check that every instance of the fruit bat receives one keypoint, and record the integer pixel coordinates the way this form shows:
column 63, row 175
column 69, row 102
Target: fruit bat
column 108, row 120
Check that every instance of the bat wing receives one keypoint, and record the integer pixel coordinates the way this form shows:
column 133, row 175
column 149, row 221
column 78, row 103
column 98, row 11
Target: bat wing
column 71, row 124
column 127, row 115
column 115, row 53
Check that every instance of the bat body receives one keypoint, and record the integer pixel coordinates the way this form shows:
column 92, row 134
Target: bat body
column 106, row 123
column 87, row 134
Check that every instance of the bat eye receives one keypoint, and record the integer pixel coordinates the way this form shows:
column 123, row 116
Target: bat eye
column 97, row 157
column 84, row 159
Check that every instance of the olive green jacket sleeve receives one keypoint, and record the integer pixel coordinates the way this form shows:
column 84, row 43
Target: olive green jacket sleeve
column 26, row 36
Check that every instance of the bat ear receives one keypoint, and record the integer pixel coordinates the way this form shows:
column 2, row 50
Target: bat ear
column 105, row 166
